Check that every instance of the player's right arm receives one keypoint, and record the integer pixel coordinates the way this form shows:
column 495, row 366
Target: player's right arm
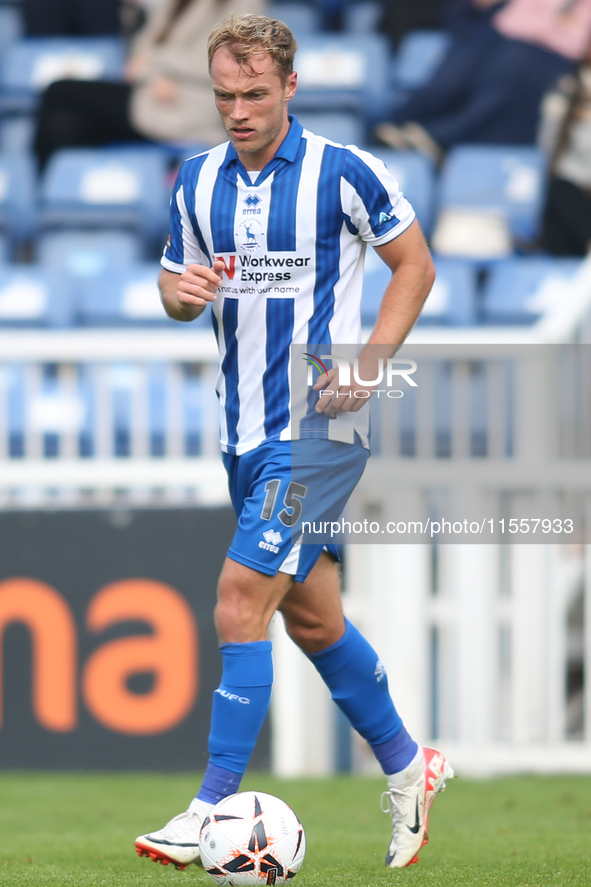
column 185, row 295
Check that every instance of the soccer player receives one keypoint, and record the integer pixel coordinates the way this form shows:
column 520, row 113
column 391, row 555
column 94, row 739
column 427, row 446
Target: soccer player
column 270, row 229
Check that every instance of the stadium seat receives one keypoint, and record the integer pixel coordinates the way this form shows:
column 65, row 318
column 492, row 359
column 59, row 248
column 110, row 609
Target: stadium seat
column 126, row 296
column 17, row 132
column 343, row 72
column 520, row 289
column 416, row 176
column 11, row 26
column 508, row 181
column 34, row 297
column 87, row 253
column 17, row 196
column 31, row 64
column 95, row 188
column 362, row 17
column 301, row 18
column 345, row 128
column 418, row 55
column 451, row 302
column 16, row 409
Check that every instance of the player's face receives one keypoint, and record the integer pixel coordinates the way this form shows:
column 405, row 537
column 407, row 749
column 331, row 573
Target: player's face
column 252, row 103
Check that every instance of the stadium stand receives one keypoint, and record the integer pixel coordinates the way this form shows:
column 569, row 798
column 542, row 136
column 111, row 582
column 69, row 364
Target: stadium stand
column 343, row 72
column 362, row 17
column 17, row 198
column 124, row 296
column 301, row 18
column 343, row 127
column 451, row 302
column 31, row 64
column 87, row 253
column 11, row 26
column 418, row 55
column 508, row 179
column 490, row 201
column 519, row 290
column 113, row 188
column 34, row 297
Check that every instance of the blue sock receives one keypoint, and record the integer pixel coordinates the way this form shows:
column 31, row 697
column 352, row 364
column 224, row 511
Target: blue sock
column 239, row 708
column 353, row 673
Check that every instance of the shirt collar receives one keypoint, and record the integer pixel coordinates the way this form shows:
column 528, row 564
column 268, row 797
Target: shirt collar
column 287, row 150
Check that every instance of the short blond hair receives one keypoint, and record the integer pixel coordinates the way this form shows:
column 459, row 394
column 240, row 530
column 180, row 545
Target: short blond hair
column 246, row 36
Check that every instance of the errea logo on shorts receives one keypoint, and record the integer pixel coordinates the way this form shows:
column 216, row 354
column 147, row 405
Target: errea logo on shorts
column 272, row 540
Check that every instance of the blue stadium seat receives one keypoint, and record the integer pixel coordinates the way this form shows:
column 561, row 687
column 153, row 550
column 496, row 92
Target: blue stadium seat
column 126, row 297
column 451, row 302
column 418, row 55
column 17, row 132
column 31, row 64
column 520, row 289
column 17, row 196
column 300, row 18
column 343, row 72
column 34, row 297
column 362, row 17
column 11, row 25
column 417, row 179
column 107, row 188
column 509, row 180
column 87, row 253
column 345, row 127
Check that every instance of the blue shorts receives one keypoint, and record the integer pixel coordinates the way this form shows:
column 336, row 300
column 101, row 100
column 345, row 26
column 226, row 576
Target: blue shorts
column 280, row 484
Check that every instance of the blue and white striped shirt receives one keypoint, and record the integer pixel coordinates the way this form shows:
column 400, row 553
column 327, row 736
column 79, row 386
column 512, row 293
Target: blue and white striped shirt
column 293, row 239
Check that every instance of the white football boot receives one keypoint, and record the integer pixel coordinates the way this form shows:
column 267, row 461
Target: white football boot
column 177, row 843
column 408, row 800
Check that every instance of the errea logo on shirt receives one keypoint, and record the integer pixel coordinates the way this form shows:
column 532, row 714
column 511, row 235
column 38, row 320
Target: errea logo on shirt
column 252, row 205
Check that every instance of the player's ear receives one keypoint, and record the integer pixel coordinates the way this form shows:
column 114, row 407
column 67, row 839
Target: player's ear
column 291, row 86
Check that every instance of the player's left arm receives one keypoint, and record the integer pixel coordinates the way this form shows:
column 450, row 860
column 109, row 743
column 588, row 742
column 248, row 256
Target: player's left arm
column 413, row 274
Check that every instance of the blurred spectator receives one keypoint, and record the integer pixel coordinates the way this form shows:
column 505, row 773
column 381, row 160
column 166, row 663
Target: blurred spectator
column 567, row 215
column 490, row 84
column 167, row 96
column 56, row 18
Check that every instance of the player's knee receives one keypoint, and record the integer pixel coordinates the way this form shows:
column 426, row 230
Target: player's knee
column 311, row 635
column 241, row 614
column 233, row 618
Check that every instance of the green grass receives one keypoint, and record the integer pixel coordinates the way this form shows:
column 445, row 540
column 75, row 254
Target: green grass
column 58, row 830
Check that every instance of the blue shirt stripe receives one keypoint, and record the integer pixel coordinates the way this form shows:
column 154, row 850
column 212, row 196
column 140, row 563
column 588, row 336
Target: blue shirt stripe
column 188, row 178
column 329, row 222
column 373, row 194
column 230, row 371
column 279, row 318
column 282, row 212
column 223, row 208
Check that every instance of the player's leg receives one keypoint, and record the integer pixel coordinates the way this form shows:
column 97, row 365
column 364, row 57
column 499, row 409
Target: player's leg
column 357, row 681
column 247, row 600
column 347, row 663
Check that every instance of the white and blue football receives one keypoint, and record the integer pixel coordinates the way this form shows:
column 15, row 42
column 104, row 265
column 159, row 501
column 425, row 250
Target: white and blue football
column 252, row 838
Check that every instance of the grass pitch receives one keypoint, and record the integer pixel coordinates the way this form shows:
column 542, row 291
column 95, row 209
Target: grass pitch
column 58, row 830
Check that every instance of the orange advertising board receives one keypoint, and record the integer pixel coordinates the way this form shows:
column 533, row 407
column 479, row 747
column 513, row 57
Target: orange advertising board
column 108, row 654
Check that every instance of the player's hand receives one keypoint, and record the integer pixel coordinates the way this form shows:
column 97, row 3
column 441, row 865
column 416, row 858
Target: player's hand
column 164, row 90
column 197, row 286
column 335, row 398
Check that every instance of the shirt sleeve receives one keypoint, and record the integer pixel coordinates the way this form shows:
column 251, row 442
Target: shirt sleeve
column 184, row 245
column 372, row 199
